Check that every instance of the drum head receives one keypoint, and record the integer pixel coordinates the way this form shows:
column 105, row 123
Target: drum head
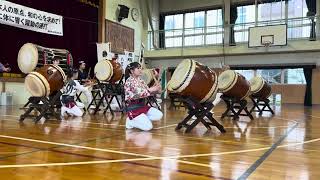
column 103, row 70
column 227, row 79
column 61, row 72
column 256, row 84
column 28, row 58
column 147, row 76
column 182, row 75
column 37, row 85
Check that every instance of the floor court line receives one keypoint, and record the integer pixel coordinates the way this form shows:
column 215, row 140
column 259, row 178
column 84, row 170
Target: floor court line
column 225, row 141
column 265, row 155
column 170, row 135
column 149, row 158
column 184, row 137
column 145, row 157
column 104, row 124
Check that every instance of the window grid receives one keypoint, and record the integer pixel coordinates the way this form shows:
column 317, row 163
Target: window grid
column 198, row 29
column 276, row 76
column 205, row 27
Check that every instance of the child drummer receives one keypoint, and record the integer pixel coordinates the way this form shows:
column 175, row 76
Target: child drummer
column 139, row 115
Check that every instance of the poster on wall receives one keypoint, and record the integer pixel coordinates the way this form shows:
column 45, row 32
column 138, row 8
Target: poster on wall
column 125, row 59
column 104, row 51
column 31, row 19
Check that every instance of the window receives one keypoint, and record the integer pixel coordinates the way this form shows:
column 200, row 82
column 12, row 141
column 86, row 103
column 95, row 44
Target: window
column 271, row 11
column 298, row 28
column 214, row 27
column 194, row 28
column 272, row 76
column 297, row 8
column 294, row 76
column 246, row 19
column 198, row 28
column 173, row 30
column 248, row 74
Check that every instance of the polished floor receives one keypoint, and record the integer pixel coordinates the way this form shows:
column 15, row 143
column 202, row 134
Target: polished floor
column 283, row 146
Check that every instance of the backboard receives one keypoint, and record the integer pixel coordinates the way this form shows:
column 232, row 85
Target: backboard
column 262, row 36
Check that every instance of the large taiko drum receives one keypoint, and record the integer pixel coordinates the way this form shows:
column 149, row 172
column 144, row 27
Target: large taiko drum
column 260, row 88
column 149, row 75
column 233, row 84
column 191, row 78
column 45, row 80
column 108, row 70
column 31, row 56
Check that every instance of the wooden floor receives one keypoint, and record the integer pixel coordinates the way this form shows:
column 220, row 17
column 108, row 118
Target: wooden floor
column 286, row 146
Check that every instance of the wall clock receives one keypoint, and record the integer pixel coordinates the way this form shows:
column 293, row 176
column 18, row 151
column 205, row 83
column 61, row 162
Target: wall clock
column 135, row 14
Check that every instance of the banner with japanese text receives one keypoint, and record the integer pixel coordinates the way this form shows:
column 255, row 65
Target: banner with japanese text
column 31, row 19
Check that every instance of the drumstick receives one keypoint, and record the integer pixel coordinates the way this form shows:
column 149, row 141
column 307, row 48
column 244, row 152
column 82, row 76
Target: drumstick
column 89, row 73
column 157, row 82
column 154, row 78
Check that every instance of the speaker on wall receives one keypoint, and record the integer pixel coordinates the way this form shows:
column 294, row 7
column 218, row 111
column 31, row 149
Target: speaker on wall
column 123, row 12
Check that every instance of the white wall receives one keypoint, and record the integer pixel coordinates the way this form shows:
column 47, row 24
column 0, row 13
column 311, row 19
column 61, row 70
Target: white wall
column 20, row 94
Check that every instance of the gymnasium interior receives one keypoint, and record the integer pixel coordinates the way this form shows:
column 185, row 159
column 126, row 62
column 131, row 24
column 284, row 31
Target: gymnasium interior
column 239, row 82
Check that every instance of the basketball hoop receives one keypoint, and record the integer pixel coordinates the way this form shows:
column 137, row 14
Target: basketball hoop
column 266, row 43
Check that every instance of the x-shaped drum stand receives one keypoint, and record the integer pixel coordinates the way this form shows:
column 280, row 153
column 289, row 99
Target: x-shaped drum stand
column 264, row 102
column 45, row 109
column 200, row 110
column 235, row 107
column 108, row 90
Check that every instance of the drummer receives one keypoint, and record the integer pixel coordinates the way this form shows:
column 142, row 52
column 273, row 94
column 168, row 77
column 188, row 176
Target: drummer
column 139, row 115
column 4, row 69
column 83, row 79
column 56, row 61
column 69, row 91
column 82, row 74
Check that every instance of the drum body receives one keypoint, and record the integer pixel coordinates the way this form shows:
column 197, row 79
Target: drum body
column 108, row 70
column 31, row 56
column 260, row 88
column 45, row 80
column 147, row 76
column 233, row 84
column 191, row 78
